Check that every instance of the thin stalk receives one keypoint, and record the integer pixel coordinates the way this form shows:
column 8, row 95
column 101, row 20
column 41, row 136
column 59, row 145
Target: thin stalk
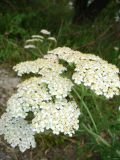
column 97, row 108
column 85, row 106
column 59, row 32
column 40, row 52
column 49, row 46
column 98, row 137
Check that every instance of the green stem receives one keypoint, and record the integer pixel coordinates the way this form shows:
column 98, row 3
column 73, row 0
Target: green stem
column 59, row 32
column 40, row 52
column 85, row 106
column 96, row 135
column 97, row 108
column 49, row 47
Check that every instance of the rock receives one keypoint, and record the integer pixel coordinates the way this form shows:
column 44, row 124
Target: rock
column 8, row 83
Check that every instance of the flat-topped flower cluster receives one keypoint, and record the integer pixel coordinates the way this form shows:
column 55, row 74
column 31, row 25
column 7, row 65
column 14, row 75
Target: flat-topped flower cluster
column 47, row 95
column 39, row 38
column 92, row 71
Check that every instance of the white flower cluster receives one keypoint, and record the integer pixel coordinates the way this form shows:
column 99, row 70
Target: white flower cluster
column 52, row 39
column 37, row 36
column 17, row 132
column 32, row 92
column 45, row 32
column 61, row 116
column 29, row 46
column 116, row 48
column 92, row 71
column 34, row 40
column 58, row 86
column 39, row 39
column 39, row 66
column 28, row 98
column 47, row 96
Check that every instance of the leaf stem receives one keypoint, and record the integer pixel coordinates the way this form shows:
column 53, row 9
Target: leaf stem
column 98, row 137
column 85, row 106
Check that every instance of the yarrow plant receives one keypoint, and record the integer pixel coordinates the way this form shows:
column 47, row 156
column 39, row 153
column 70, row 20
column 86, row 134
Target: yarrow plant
column 47, row 94
column 40, row 43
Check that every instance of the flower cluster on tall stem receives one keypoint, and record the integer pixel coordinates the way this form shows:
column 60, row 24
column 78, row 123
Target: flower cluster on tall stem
column 47, row 94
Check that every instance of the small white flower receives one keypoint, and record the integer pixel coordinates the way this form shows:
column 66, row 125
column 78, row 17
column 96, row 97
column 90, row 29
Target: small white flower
column 116, row 48
column 52, row 39
column 33, row 40
column 37, row 36
column 45, row 32
column 29, row 46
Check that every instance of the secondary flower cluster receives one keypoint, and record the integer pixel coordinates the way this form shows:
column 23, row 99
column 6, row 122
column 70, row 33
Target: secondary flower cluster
column 92, row 71
column 47, row 95
column 17, row 132
column 61, row 116
column 39, row 66
column 44, row 36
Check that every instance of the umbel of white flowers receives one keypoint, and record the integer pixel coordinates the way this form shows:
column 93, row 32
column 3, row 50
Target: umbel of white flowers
column 48, row 95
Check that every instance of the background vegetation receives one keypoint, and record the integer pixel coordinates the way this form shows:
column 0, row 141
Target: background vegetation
column 101, row 36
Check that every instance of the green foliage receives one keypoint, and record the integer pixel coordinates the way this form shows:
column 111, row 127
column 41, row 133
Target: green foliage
column 99, row 126
column 12, row 25
column 13, row 53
